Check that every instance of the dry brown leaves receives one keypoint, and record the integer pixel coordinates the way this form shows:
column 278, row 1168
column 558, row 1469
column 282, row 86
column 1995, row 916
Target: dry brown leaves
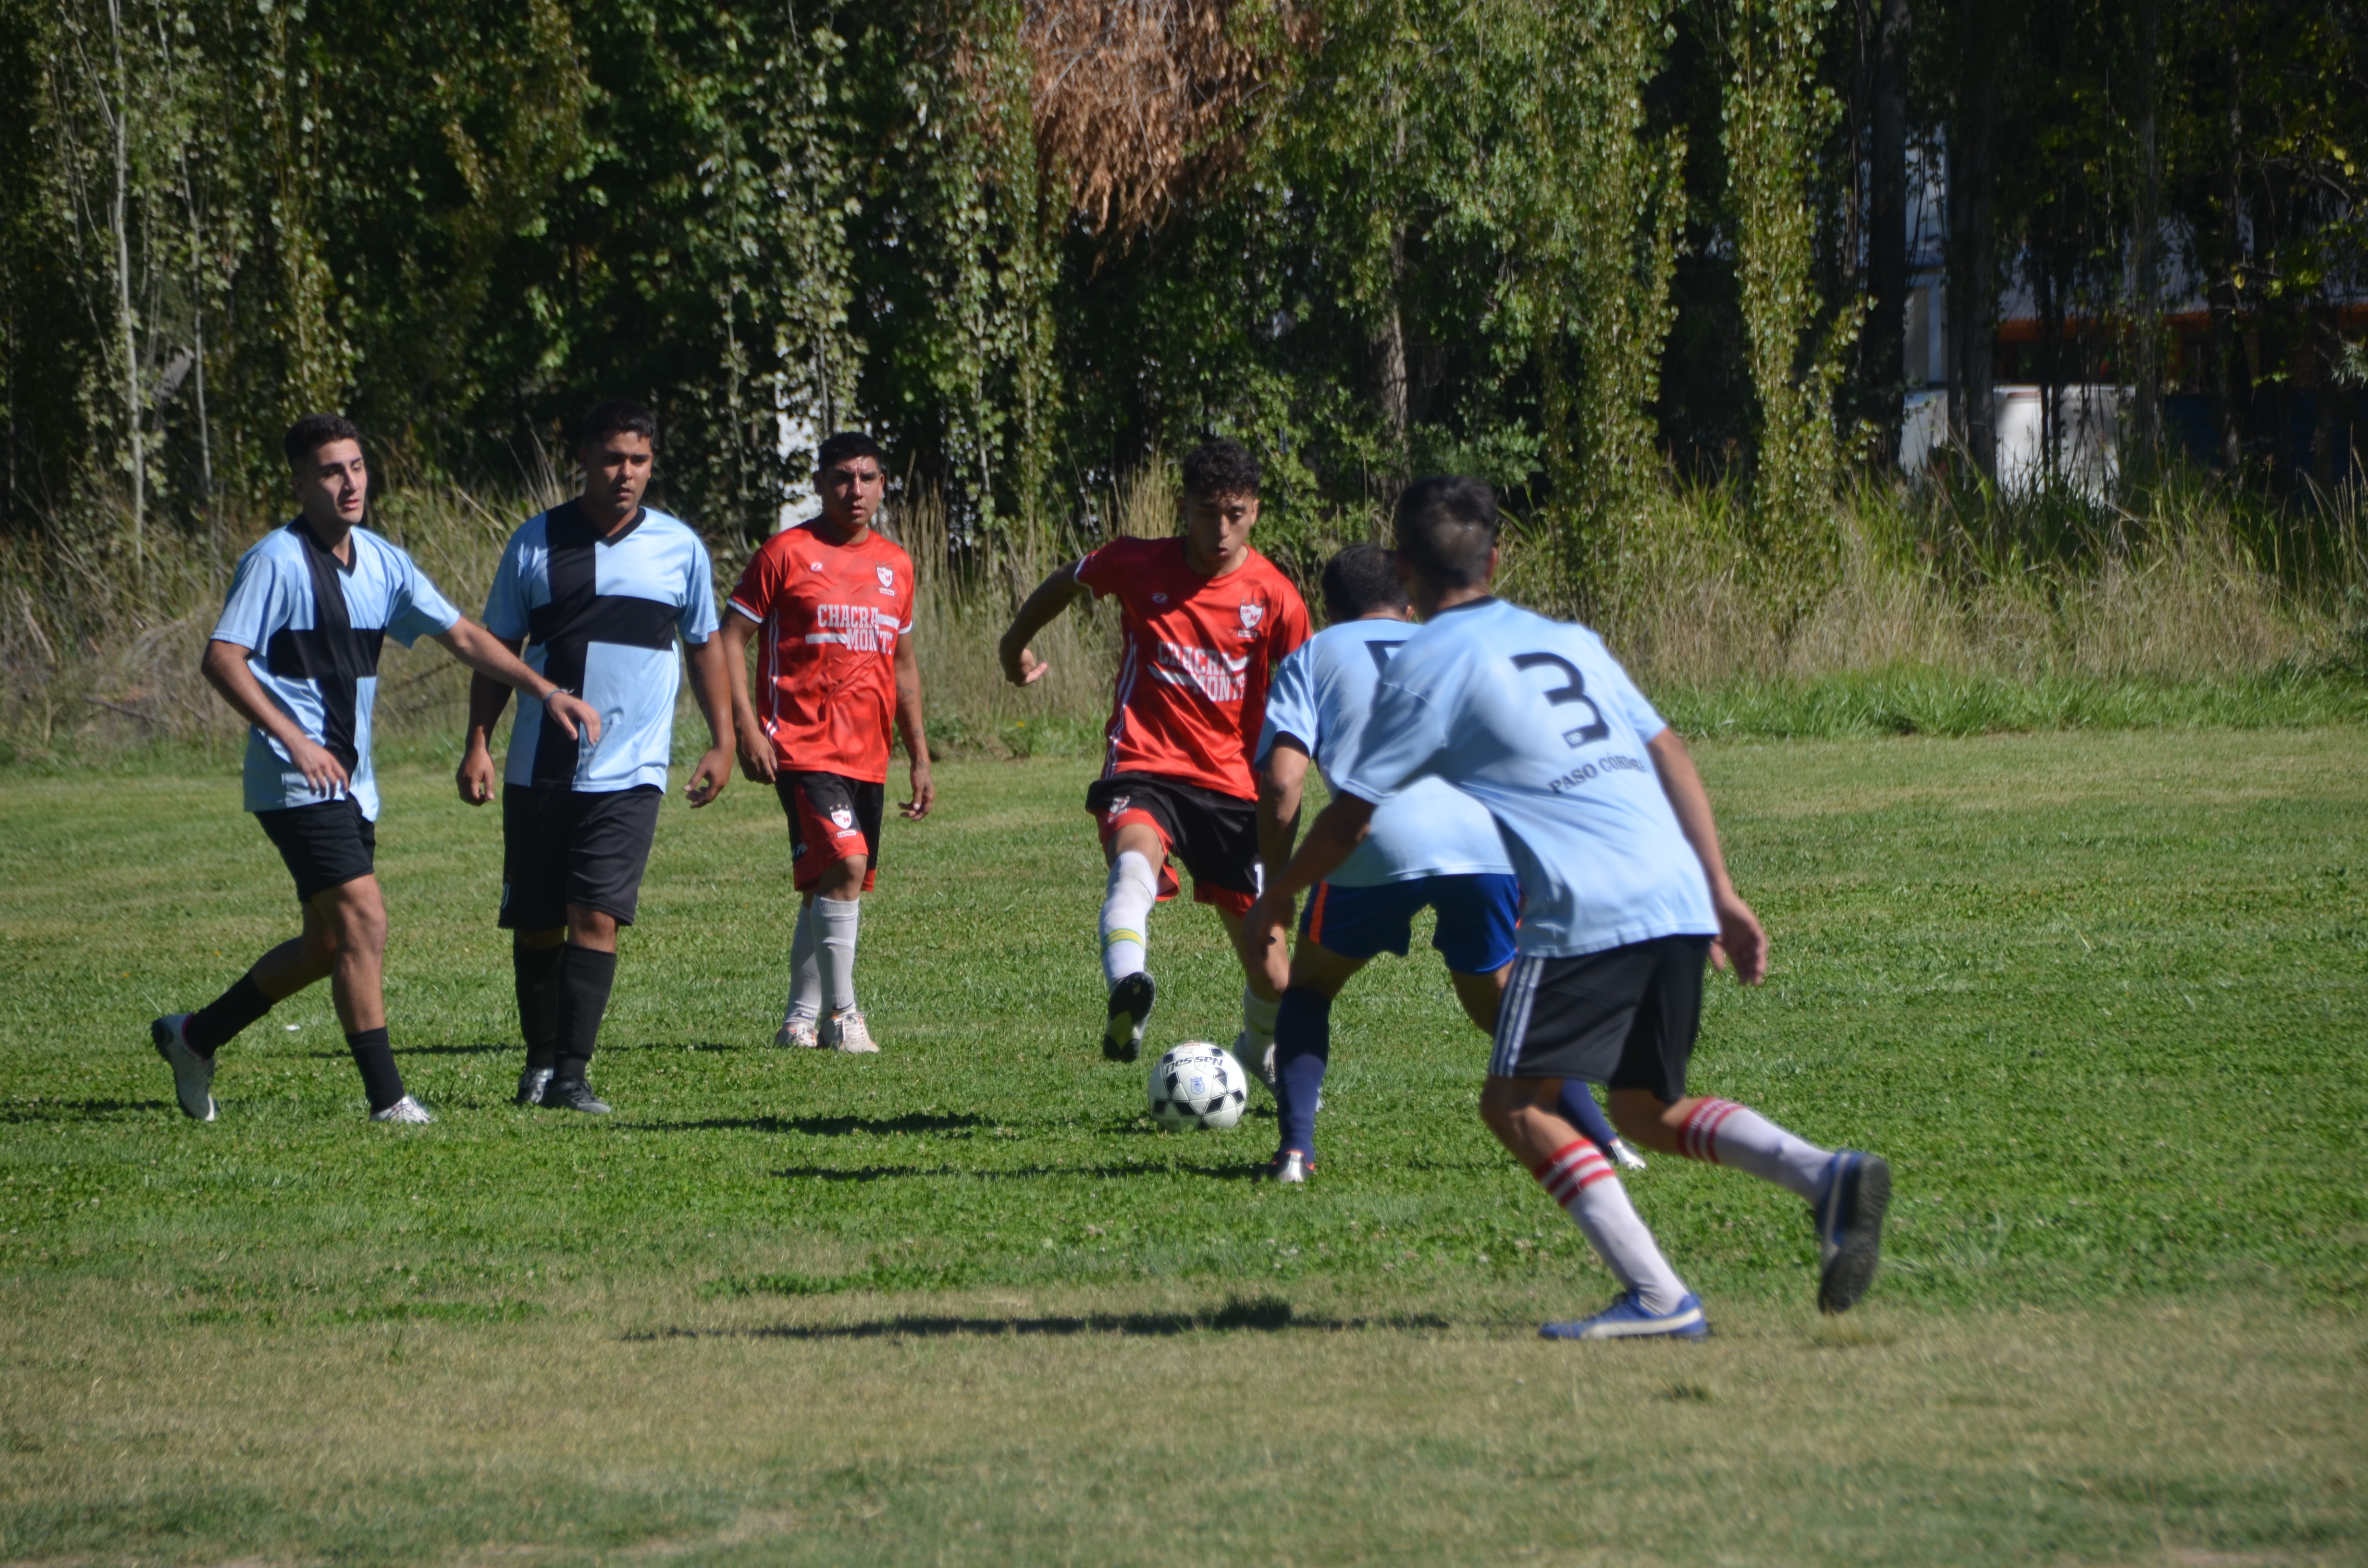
column 1134, row 105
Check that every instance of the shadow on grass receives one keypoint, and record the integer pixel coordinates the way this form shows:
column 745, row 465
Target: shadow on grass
column 1011, row 1173
column 75, row 1110
column 1263, row 1314
column 512, row 1048
column 822, row 1126
column 519, row 1050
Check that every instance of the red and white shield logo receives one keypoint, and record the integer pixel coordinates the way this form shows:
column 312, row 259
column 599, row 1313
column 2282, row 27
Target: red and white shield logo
column 1251, row 616
column 887, row 578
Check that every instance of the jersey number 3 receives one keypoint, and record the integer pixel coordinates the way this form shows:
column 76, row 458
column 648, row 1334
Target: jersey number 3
column 1596, row 728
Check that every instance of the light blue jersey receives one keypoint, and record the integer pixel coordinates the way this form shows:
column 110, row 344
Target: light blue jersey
column 600, row 615
column 1537, row 722
column 1323, row 697
column 312, row 627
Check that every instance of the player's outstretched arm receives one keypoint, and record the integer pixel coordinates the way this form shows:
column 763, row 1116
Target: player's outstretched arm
column 487, row 654
column 1054, row 595
column 749, row 737
column 916, row 734
column 487, row 697
column 224, row 667
column 1739, row 935
column 712, row 685
column 1337, row 830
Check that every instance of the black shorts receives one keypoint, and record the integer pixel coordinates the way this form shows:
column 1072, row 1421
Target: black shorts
column 832, row 818
column 1215, row 835
column 326, row 844
column 561, row 847
column 1624, row 1017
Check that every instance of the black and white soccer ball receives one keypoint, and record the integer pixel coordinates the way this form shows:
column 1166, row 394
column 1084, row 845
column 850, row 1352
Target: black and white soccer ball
column 1198, row 1087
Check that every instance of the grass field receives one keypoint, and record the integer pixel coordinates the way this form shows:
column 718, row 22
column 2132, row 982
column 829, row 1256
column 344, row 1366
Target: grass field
column 2101, row 998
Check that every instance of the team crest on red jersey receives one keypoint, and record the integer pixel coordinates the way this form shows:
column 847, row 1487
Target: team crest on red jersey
column 1251, row 616
column 887, row 576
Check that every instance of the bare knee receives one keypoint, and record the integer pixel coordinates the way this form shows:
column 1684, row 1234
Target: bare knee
column 354, row 925
column 841, row 880
column 1510, row 1107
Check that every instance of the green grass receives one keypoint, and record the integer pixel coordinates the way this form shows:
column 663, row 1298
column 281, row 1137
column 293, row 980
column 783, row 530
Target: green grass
column 2099, row 997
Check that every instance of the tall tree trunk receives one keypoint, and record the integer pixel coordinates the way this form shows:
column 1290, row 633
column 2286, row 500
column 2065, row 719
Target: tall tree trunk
column 2232, row 376
column 1973, row 240
column 1886, row 339
column 2146, row 253
column 120, row 219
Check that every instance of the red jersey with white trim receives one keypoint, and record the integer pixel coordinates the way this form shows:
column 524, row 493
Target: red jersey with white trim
column 828, row 615
column 1199, row 654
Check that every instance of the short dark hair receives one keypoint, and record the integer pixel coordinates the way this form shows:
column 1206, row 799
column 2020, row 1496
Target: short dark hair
column 313, row 432
column 845, row 445
column 1221, row 468
column 618, row 416
column 1360, row 580
column 1446, row 525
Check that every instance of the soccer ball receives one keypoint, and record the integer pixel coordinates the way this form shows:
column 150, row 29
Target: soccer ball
column 1197, row 1086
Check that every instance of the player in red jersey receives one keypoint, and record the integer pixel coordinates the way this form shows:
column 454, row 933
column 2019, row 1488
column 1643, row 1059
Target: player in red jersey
column 1206, row 618
column 833, row 601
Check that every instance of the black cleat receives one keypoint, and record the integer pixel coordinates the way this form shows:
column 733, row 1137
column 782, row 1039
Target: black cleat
column 1130, row 1009
column 1849, row 1228
column 577, row 1096
column 531, row 1084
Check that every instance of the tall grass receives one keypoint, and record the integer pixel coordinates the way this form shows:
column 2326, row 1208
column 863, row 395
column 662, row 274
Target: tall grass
column 1936, row 609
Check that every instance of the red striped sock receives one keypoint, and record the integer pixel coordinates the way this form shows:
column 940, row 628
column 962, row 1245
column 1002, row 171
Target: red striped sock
column 1578, row 1177
column 1721, row 1132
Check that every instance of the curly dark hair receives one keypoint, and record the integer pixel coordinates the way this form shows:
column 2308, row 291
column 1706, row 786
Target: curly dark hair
column 1221, row 468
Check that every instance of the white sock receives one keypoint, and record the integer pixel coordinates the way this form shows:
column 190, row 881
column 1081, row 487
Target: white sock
column 1724, row 1133
column 838, row 918
column 1126, row 916
column 1581, row 1180
column 1258, row 1021
column 805, row 967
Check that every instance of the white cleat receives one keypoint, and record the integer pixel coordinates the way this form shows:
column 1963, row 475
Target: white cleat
column 193, row 1075
column 848, row 1032
column 798, row 1034
column 406, row 1110
column 1628, row 1158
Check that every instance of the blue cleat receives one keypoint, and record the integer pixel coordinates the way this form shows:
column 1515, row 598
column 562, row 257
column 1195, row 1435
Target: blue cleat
column 1849, row 1227
column 1627, row 1319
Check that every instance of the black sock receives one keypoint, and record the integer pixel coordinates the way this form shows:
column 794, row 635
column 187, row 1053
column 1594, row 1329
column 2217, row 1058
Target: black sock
column 381, row 1079
column 537, row 1001
column 211, row 1026
column 584, row 977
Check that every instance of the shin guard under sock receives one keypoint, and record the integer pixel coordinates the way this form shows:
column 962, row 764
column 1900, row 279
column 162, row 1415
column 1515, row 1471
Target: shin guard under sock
column 1258, row 1022
column 1127, row 901
column 536, row 971
column 381, row 1079
column 840, row 919
column 805, row 966
column 585, row 976
column 1303, row 1048
column 1580, row 1179
column 1724, row 1133
column 211, row 1026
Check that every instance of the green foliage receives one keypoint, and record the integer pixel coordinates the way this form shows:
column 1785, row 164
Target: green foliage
column 1774, row 116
